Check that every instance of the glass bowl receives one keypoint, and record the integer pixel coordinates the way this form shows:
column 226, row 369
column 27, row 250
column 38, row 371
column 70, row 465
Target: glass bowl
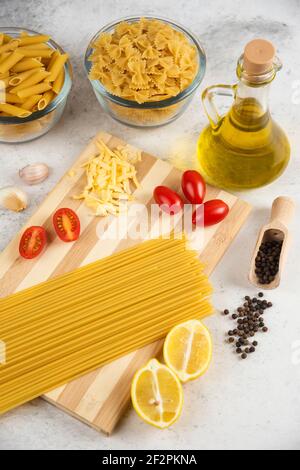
column 154, row 114
column 17, row 130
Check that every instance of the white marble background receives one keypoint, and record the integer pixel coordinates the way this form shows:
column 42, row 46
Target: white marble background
column 253, row 405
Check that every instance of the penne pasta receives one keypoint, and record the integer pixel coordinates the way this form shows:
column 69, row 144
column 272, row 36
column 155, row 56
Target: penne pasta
column 33, row 79
column 5, row 81
column 57, row 66
column 34, row 90
column 14, row 110
column 4, row 75
column 38, row 46
column 31, row 73
column 45, row 100
column 20, row 77
column 13, row 99
column 4, row 56
column 29, row 40
column 7, row 38
column 10, row 46
column 26, row 64
column 10, row 61
column 30, row 103
column 27, row 52
column 52, row 60
column 58, row 83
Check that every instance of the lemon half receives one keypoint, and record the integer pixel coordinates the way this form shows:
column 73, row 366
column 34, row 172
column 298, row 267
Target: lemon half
column 188, row 350
column 157, row 395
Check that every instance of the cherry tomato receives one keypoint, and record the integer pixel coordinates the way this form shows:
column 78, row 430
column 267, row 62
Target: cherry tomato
column 214, row 212
column 67, row 225
column 32, row 242
column 168, row 200
column 193, row 187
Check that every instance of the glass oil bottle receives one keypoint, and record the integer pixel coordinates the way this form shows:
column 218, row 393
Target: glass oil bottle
column 244, row 149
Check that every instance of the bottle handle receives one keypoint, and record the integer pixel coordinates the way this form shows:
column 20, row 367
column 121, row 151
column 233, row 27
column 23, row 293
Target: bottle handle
column 208, row 99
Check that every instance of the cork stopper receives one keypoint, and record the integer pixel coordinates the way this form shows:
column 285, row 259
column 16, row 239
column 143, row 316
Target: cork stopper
column 259, row 57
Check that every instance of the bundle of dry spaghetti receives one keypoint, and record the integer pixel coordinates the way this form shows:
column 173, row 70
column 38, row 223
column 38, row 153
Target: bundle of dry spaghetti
column 66, row 327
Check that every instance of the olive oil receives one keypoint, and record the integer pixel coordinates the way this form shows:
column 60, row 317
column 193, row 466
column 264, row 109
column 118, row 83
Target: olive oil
column 245, row 149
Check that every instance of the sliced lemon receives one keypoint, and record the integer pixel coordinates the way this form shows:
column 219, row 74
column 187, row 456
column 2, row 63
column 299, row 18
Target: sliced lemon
column 157, row 395
column 188, row 350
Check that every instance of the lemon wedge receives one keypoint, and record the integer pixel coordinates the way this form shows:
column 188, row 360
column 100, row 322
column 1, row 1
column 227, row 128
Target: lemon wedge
column 157, row 395
column 188, row 350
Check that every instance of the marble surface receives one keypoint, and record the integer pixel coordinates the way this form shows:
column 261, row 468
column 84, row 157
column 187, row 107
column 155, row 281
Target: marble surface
column 253, row 405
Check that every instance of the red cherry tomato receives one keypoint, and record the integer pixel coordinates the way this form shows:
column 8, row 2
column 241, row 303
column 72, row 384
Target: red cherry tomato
column 214, row 212
column 193, row 187
column 169, row 201
column 67, row 225
column 32, row 242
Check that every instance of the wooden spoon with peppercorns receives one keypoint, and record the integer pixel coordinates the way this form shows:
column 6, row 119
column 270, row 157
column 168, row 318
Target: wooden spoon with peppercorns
column 272, row 246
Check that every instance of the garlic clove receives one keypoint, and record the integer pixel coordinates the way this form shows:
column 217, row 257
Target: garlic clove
column 13, row 199
column 34, row 174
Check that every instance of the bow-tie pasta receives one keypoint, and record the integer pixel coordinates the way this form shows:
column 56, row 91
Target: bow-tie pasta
column 145, row 61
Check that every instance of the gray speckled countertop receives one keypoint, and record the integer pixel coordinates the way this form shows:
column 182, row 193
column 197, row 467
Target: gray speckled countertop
column 236, row 405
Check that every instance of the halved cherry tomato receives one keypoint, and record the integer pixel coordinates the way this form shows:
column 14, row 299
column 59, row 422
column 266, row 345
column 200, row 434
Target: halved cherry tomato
column 32, row 242
column 67, row 225
column 214, row 212
column 169, row 201
column 193, row 187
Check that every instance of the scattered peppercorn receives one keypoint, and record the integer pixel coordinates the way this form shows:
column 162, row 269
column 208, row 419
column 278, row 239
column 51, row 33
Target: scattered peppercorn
column 249, row 321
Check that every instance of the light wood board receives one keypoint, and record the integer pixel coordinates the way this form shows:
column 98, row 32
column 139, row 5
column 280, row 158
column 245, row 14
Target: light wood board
column 100, row 398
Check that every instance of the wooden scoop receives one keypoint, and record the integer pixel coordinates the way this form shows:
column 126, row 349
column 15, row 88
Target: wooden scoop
column 283, row 211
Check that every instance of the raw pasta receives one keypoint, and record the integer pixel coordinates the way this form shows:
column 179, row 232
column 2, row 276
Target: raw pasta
column 96, row 314
column 32, row 74
column 145, row 61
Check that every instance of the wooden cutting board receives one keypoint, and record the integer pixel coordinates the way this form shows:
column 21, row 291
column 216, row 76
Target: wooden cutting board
column 100, row 398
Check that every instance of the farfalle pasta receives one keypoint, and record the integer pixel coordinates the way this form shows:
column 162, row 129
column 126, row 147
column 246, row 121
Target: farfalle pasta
column 145, row 61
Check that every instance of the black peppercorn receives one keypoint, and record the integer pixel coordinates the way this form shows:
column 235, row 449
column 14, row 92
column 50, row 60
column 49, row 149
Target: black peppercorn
column 250, row 317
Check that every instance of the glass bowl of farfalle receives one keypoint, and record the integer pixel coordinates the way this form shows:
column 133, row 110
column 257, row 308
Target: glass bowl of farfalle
column 145, row 70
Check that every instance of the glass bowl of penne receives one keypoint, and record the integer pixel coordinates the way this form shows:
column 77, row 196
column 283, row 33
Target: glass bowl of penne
column 145, row 70
column 35, row 81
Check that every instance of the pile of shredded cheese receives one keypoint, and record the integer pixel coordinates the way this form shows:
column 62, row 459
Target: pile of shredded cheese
column 110, row 175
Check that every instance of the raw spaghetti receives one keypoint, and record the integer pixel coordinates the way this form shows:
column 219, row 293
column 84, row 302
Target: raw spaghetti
column 66, row 327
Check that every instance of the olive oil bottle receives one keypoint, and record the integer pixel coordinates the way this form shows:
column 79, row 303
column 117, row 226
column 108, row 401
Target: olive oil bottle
column 245, row 149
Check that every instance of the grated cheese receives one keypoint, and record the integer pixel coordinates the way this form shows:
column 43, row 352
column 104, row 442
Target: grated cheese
column 109, row 178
